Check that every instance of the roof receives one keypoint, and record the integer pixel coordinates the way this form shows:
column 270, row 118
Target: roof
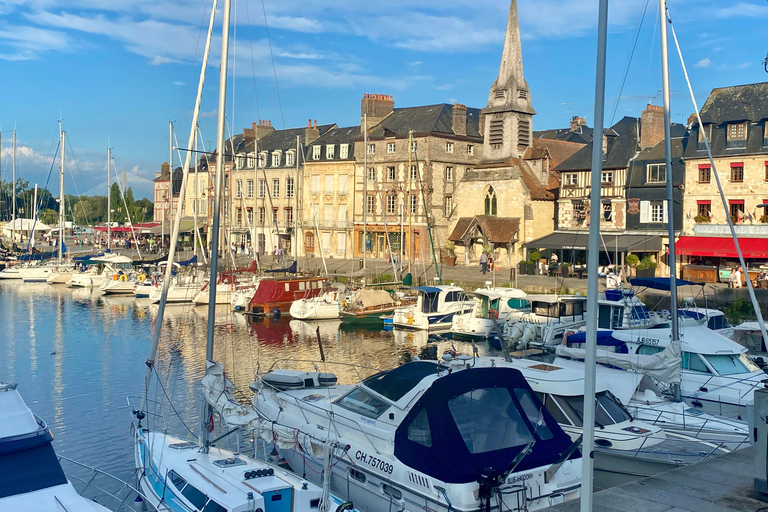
column 736, row 103
column 637, row 175
column 332, row 137
column 623, row 144
column 579, row 240
column 580, row 135
column 427, row 119
column 498, row 230
column 512, row 169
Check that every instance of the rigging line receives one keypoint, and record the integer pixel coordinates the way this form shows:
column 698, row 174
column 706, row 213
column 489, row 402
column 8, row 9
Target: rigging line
column 203, row 25
column 650, row 52
column 125, row 204
column 629, row 61
column 274, row 69
column 253, row 62
column 234, row 75
column 170, row 403
column 80, row 174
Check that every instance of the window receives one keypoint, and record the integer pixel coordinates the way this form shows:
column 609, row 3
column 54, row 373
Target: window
column 343, row 184
column 737, row 173
column 470, row 150
column 391, row 204
column 414, row 173
column 262, row 159
column 202, row 183
column 570, row 180
column 239, row 189
column 657, row 173
column 706, row 130
column 765, row 133
column 737, row 209
column 448, row 205
column 606, row 177
column 692, row 362
column 315, row 183
column 705, row 174
column 357, row 475
column 274, row 216
column 371, row 174
column 579, row 210
column 490, row 202
column 731, row 364
column 315, row 152
column 329, row 184
column 249, row 212
column 275, row 159
column 657, row 212
column 390, row 174
column 449, row 174
column 390, row 147
column 414, row 200
column 607, row 210
column 290, row 159
column 275, row 188
column 239, row 216
column 289, row 187
column 704, row 208
column 414, row 146
column 342, row 217
column 249, row 189
column 370, row 204
column 262, row 188
column 315, row 211
column 194, row 496
column 262, row 216
column 330, row 151
column 523, row 132
column 201, row 206
column 737, row 135
column 341, row 243
column 766, row 171
column 289, row 216
column 449, row 147
column 419, row 431
column 371, row 149
column 250, row 160
column 362, row 402
column 533, row 413
column 344, row 151
column 653, row 211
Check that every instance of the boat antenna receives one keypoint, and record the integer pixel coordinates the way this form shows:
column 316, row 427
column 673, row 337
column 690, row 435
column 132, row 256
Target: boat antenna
column 216, row 204
column 587, row 459
column 155, row 341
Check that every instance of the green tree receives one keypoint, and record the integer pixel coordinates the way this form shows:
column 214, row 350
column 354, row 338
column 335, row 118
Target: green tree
column 49, row 217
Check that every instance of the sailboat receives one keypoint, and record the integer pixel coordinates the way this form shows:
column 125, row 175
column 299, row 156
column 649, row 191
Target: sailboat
column 198, row 476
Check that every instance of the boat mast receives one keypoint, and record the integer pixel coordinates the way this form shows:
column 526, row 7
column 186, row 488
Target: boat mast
column 587, row 459
column 217, row 204
column 109, row 199
column 155, row 341
column 365, row 188
column 61, row 196
column 672, row 257
column 194, row 198
column 296, row 195
column 170, row 166
column 13, row 188
column 408, row 201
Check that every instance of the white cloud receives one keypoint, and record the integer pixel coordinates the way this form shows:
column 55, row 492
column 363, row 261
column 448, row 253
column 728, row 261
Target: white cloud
column 179, row 83
column 160, row 60
column 27, row 42
column 703, row 63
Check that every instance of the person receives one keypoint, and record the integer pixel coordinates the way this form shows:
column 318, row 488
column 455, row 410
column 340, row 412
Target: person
column 483, row 263
column 394, row 260
column 274, row 255
column 280, row 255
column 490, row 263
column 242, row 247
column 735, row 279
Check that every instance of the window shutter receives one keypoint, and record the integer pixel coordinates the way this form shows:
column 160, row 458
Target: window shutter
column 645, row 207
column 665, row 212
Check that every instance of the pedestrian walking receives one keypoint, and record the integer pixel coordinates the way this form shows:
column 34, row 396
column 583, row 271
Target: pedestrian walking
column 483, row 263
column 280, row 255
column 274, row 255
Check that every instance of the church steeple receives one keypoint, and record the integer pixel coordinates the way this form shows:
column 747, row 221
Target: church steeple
column 508, row 115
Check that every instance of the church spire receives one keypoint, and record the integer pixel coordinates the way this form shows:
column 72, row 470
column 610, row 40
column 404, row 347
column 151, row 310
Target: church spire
column 508, row 114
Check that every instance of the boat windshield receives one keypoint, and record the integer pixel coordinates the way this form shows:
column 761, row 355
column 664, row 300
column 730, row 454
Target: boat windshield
column 640, row 313
column 29, row 469
column 608, row 411
column 731, row 364
column 362, row 402
column 395, row 383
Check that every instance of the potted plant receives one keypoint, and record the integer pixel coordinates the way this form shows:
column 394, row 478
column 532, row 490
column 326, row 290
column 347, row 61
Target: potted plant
column 764, row 219
column 565, row 268
column 701, row 219
column 632, row 261
column 450, row 254
column 646, row 267
column 532, row 264
column 522, row 267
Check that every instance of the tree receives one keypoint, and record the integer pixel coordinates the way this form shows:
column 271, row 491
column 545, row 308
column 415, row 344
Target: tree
column 49, row 217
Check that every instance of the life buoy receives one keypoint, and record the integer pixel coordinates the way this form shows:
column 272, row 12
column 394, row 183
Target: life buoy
column 142, row 277
column 123, row 277
column 565, row 337
column 493, row 314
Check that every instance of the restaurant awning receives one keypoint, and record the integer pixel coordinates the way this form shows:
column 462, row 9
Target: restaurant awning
column 721, row 247
column 579, row 240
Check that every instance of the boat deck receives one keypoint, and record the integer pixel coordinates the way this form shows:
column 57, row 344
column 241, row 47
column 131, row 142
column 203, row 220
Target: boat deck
column 719, row 484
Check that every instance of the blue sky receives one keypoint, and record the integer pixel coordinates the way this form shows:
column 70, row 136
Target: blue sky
column 122, row 69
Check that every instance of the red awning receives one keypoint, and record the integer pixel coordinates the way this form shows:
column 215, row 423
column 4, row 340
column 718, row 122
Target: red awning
column 113, row 230
column 721, row 247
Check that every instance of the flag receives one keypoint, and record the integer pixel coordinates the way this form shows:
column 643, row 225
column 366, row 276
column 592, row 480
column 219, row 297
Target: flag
column 210, row 425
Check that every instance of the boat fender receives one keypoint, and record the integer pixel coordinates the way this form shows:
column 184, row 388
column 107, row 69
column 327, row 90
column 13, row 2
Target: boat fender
column 142, row 277
column 115, row 277
column 276, row 312
column 565, row 337
column 123, row 277
column 345, row 507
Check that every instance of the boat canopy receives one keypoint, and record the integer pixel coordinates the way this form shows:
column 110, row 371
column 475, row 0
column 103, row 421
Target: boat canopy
column 368, row 298
column 289, row 270
column 477, row 421
column 660, row 283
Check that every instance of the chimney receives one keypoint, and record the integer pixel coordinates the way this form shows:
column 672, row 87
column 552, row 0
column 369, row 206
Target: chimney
column 577, row 122
column 377, row 107
column 311, row 134
column 249, row 134
column 262, row 129
column 165, row 170
column 651, row 126
column 459, row 122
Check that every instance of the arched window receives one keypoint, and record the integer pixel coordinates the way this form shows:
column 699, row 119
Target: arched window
column 490, row 201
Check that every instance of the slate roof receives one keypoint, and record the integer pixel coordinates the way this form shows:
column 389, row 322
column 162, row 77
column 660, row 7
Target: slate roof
column 335, row 136
column 498, row 230
column 637, row 175
column 737, row 103
column 623, row 144
column 427, row 119
column 581, row 135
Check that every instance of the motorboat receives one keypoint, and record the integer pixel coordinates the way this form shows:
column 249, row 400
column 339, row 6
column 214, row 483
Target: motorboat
column 492, row 307
column 32, row 476
column 275, row 296
column 548, row 319
column 380, row 441
column 10, row 273
column 367, row 306
column 749, row 335
column 434, row 308
column 325, row 306
column 97, row 269
column 42, row 273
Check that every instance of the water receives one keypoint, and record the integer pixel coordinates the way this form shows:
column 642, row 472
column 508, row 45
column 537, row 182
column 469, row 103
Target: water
column 77, row 356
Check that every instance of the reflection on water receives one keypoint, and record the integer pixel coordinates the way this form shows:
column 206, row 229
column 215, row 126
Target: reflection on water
column 77, row 356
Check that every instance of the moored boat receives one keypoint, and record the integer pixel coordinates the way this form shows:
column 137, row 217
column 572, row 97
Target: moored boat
column 434, row 308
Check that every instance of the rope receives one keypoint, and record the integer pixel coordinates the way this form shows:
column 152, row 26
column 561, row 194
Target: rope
column 170, row 403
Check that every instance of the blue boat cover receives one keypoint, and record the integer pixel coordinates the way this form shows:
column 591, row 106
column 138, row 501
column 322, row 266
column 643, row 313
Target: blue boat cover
column 604, row 338
column 427, row 289
column 188, row 262
column 660, row 283
column 290, row 270
column 429, row 439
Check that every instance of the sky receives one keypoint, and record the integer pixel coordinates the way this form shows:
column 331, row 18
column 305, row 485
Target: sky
column 118, row 71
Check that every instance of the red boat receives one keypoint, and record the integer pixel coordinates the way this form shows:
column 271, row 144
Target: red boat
column 273, row 296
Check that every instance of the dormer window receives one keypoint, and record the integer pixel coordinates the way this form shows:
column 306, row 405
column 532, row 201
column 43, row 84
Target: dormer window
column 705, row 130
column 290, row 159
column 737, row 135
column 344, row 151
column 262, row 159
column 657, row 173
column 330, row 150
column 605, row 146
column 765, row 133
column 315, row 152
column 276, row 159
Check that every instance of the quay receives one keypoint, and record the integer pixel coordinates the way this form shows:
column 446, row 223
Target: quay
column 719, row 484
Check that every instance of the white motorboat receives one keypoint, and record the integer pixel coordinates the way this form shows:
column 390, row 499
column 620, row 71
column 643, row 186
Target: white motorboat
column 241, row 296
column 381, row 442
column 177, row 292
column 547, row 321
column 325, row 306
column 10, row 273
column 33, row 478
column 492, row 307
column 40, row 273
column 748, row 334
column 119, row 284
column 98, row 270
column 435, row 308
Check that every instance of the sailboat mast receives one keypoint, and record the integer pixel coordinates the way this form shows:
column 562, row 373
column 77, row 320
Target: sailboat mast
column 217, row 202
column 590, row 360
column 13, row 188
column 365, row 189
column 170, row 166
column 109, row 200
column 672, row 257
column 194, row 198
column 61, row 198
column 296, row 194
column 408, row 199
